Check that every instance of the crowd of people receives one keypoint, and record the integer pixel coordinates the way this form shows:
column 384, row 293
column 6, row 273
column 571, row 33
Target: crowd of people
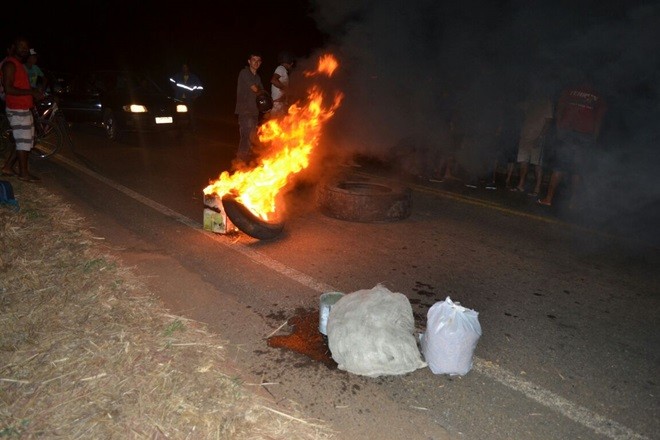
column 23, row 82
column 551, row 136
column 541, row 134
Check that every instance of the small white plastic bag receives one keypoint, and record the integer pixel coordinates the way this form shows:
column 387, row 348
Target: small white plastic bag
column 452, row 333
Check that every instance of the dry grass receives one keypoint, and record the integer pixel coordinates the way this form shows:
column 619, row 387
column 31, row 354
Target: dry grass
column 86, row 352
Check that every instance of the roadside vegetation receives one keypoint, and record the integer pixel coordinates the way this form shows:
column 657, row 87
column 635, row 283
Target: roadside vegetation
column 86, row 352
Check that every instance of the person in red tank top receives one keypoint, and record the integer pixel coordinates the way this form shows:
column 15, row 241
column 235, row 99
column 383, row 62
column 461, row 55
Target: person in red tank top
column 579, row 115
column 19, row 98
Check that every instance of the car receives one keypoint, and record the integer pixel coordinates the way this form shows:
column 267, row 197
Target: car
column 120, row 101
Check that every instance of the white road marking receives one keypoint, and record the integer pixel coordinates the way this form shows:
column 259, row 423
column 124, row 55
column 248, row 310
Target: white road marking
column 577, row 413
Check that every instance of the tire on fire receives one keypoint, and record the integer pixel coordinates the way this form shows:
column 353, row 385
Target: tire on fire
column 249, row 223
column 364, row 201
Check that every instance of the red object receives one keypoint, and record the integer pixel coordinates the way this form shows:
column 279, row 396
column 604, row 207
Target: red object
column 21, row 81
column 580, row 109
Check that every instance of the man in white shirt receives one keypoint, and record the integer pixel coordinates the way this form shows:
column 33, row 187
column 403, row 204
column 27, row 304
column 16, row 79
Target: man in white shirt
column 279, row 85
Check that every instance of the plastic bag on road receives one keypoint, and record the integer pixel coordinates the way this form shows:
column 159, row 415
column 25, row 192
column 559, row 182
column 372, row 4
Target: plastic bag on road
column 371, row 333
column 452, row 333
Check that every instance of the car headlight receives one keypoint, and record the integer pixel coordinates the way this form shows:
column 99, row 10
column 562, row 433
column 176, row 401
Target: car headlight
column 181, row 108
column 135, row 108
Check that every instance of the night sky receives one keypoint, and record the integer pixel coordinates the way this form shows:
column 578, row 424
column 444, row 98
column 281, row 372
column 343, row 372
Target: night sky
column 159, row 35
column 400, row 61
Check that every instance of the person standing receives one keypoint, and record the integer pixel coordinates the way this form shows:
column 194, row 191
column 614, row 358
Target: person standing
column 279, row 85
column 249, row 86
column 539, row 114
column 36, row 75
column 19, row 98
column 187, row 88
column 579, row 115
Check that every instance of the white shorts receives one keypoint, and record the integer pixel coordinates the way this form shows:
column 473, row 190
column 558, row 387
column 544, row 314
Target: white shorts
column 22, row 128
column 529, row 151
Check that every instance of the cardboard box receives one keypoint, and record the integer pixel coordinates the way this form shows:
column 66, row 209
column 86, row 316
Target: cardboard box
column 215, row 218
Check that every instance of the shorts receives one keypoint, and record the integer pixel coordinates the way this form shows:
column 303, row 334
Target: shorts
column 530, row 151
column 22, row 128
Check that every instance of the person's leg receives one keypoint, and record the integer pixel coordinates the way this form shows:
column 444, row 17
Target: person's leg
column 245, row 128
column 538, row 174
column 509, row 174
column 254, row 137
column 524, row 166
column 535, row 158
column 22, row 125
column 23, row 172
column 555, row 179
column 8, row 167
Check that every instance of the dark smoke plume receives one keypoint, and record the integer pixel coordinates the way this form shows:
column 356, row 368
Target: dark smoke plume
column 410, row 66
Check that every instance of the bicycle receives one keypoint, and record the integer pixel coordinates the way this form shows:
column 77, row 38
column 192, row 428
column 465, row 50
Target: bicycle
column 51, row 130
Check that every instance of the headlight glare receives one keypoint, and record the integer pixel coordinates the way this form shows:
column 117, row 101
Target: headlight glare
column 135, row 108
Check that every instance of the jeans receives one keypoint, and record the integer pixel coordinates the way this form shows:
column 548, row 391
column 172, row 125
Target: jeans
column 247, row 125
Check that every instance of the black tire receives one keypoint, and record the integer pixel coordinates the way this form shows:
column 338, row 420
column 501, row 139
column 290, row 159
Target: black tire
column 249, row 223
column 48, row 138
column 364, row 201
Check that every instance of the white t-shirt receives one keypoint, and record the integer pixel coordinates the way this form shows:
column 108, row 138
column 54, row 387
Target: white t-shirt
column 275, row 92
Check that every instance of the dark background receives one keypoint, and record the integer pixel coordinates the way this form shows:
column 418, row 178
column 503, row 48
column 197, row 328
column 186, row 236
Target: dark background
column 214, row 37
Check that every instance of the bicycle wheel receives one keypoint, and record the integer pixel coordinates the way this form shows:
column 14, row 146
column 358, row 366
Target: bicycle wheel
column 48, row 138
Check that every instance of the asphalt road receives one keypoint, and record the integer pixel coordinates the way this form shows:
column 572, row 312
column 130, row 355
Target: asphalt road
column 570, row 347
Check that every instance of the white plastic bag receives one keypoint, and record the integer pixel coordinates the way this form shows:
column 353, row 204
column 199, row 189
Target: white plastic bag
column 451, row 335
column 371, row 332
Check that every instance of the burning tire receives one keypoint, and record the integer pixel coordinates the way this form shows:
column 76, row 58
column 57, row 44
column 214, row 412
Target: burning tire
column 249, row 223
column 365, row 201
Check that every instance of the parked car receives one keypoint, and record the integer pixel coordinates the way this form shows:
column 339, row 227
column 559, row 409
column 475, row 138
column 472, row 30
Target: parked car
column 121, row 101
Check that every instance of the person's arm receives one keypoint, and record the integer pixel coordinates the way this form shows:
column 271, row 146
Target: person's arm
column 275, row 80
column 257, row 90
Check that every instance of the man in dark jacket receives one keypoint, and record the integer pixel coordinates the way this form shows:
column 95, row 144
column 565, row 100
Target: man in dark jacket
column 187, row 87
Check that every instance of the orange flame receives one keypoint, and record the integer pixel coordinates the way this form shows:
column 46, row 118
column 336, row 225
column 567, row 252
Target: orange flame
column 291, row 140
column 327, row 65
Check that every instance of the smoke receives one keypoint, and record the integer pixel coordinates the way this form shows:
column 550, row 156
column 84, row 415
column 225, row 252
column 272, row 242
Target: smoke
column 409, row 67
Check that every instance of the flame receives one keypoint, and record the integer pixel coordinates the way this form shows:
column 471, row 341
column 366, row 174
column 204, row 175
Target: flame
column 291, row 140
column 327, row 65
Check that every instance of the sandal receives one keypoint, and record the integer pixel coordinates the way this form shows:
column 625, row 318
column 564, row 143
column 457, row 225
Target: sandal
column 542, row 203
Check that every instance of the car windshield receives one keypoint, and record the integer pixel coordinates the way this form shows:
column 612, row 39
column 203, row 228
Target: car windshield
column 137, row 83
column 107, row 81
